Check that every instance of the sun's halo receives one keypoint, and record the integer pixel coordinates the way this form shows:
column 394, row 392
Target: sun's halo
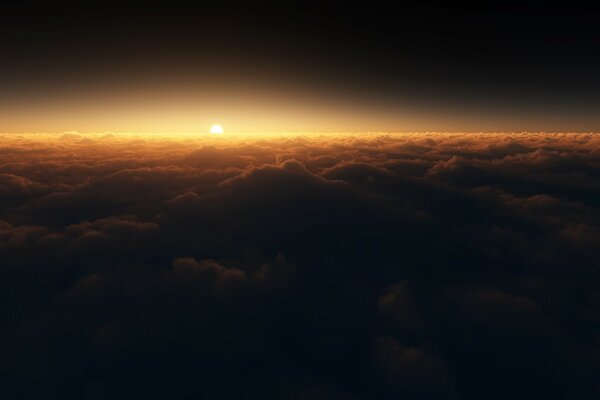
column 216, row 129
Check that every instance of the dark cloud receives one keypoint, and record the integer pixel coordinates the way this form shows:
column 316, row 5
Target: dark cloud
column 410, row 372
column 398, row 307
column 325, row 266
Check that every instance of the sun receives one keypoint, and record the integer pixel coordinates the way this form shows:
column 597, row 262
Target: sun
column 216, row 129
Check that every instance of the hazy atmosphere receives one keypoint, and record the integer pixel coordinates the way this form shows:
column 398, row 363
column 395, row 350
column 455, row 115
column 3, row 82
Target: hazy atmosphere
column 153, row 67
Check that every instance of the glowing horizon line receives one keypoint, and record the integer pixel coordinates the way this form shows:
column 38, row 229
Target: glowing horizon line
column 278, row 132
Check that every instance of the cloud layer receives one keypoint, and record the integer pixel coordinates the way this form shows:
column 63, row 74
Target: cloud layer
column 367, row 266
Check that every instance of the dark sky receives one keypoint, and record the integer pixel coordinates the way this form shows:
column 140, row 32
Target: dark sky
column 340, row 67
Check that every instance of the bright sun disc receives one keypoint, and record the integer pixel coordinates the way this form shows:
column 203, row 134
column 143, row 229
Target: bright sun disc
column 218, row 129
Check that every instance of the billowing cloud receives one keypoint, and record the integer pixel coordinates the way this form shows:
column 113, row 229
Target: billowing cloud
column 320, row 266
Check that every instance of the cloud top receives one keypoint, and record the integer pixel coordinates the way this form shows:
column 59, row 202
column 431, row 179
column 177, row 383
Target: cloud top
column 360, row 266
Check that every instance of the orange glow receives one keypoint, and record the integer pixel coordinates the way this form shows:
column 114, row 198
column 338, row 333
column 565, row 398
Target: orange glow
column 189, row 108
